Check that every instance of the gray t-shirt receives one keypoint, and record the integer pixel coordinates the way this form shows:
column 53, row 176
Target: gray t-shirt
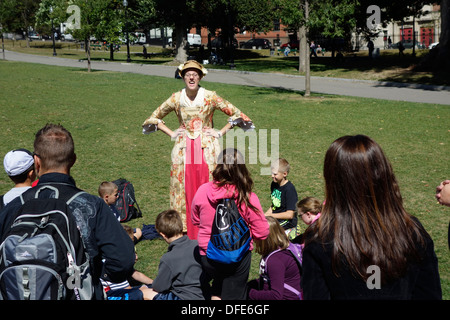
column 13, row 193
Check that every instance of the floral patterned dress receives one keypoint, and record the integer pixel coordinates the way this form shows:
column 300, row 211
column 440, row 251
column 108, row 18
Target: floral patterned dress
column 194, row 154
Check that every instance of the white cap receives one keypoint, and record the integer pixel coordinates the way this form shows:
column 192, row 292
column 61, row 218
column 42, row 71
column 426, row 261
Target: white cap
column 17, row 162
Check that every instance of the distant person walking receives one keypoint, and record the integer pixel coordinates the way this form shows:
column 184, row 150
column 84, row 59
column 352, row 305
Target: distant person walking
column 401, row 48
column 371, row 47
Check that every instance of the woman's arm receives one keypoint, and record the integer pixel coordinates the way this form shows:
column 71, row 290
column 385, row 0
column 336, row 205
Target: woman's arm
column 169, row 132
column 219, row 133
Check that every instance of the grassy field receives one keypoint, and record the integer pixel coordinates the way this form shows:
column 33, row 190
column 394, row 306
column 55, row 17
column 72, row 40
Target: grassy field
column 104, row 112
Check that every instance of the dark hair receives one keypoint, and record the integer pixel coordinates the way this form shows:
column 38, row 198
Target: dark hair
column 21, row 178
column 169, row 223
column 231, row 170
column 363, row 215
column 54, row 146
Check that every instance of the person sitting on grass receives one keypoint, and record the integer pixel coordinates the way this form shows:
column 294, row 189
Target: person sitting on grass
column 180, row 274
column 124, row 290
column 309, row 209
column 284, row 198
column 108, row 191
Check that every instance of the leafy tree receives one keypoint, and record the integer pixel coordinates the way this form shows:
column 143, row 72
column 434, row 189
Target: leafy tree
column 8, row 16
column 144, row 13
column 232, row 16
column 50, row 11
column 18, row 15
column 110, row 23
column 182, row 15
column 90, row 13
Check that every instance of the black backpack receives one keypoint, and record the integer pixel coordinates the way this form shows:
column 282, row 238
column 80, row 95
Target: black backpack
column 126, row 201
column 230, row 234
column 42, row 256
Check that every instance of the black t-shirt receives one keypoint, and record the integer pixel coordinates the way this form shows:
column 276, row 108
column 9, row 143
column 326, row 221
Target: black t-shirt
column 284, row 198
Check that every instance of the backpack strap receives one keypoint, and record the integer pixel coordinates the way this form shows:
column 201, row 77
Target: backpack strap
column 56, row 190
column 34, row 193
column 295, row 291
column 297, row 259
column 75, row 196
column 267, row 258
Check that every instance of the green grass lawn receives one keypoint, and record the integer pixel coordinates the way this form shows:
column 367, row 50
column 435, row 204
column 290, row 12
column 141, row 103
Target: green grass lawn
column 104, row 112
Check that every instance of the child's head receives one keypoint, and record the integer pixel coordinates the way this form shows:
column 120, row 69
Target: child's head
column 108, row 192
column 169, row 223
column 19, row 166
column 129, row 231
column 280, row 169
column 277, row 238
column 231, row 170
column 308, row 208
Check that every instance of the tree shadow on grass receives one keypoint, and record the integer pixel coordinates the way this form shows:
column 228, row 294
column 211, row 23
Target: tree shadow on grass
column 388, row 67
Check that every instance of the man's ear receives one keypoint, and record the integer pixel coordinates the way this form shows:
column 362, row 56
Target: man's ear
column 37, row 164
column 74, row 159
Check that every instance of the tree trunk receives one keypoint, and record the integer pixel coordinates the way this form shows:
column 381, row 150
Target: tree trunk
column 111, row 51
column 443, row 54
column 181, row 43
column 303, row 49
column 87, row 45
column 438, row 59
column 302, row 45
column 307, row 55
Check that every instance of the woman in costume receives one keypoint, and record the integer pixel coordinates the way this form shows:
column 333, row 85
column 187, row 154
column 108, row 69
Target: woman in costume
column 196, row 148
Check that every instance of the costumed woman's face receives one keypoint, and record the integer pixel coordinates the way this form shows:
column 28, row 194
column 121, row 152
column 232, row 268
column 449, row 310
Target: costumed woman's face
column 192, row 79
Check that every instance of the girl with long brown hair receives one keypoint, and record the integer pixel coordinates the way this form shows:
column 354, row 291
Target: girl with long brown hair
column 231, row 179
column 365, row 245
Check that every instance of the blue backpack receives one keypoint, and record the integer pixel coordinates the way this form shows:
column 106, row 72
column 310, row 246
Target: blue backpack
column 230, row 234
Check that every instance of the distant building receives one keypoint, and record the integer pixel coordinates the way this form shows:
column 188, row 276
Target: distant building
column 277, row 36
column 426, row 29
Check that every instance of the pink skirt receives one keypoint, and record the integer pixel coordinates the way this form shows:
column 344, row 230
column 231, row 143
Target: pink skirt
column 196, row 173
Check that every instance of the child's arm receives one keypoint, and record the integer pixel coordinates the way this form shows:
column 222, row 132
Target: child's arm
column 288, row 214
column 268, row 212
column 142, row 278
column 164, row 278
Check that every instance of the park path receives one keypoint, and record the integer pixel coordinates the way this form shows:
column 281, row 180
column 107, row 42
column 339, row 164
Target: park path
column 339, row 86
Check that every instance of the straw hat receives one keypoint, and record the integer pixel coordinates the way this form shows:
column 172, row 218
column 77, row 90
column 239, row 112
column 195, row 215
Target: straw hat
column 192, row 64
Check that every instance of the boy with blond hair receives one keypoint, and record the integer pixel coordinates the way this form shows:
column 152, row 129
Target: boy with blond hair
column 284, row 198
column 108, row 191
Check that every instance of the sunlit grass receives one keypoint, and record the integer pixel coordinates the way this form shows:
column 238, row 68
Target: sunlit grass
column 105, row 110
